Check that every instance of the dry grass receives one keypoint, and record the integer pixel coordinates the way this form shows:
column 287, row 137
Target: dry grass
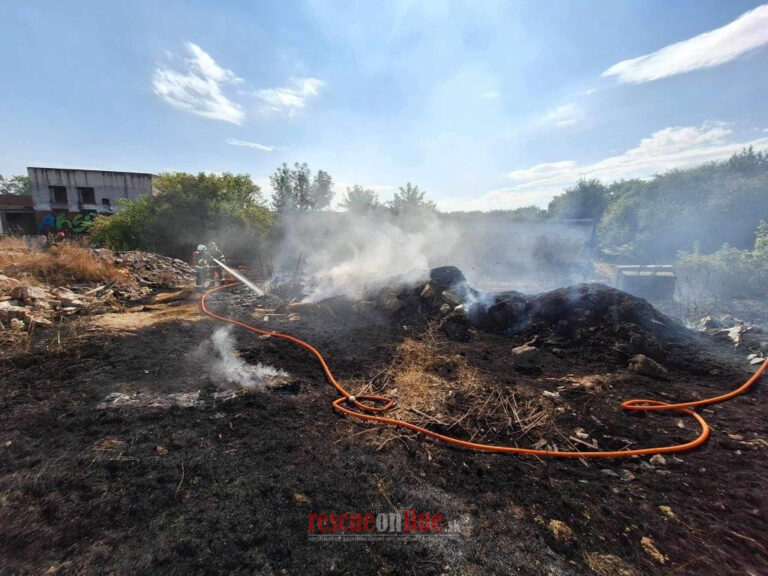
column 63, row 338
column 440, row 390
column 14, row 341
column 62, row 264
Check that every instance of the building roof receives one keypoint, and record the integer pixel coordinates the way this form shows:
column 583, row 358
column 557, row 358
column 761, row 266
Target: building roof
column 88, row 170
column 15, row 202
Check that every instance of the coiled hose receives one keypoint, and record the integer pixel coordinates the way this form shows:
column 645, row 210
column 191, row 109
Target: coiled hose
column 369, row 407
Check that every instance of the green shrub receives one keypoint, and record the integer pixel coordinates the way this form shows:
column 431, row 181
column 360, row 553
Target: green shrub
column 729, row 272
column 188, row 210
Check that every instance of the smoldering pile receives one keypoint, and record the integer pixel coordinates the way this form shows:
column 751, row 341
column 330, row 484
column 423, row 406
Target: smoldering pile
column 591, row 316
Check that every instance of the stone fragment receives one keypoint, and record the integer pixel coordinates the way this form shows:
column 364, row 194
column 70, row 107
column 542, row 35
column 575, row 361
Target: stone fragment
column 658, row 460
column 526, row 356
column 8, row 311
column 28, row 294
column 641, row 364
column 7, row 283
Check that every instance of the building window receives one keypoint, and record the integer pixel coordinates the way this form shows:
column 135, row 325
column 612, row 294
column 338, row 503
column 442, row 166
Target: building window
column 86, row 195
column 58, row 194
column 105, row 204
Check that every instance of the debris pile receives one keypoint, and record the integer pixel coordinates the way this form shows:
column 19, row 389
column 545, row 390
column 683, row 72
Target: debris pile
column 22, row 304
column 150, row 270
column 751, row 339
column 28, row 299
column 580, row 315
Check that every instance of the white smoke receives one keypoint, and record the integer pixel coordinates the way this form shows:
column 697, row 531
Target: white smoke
column 472, row 299
column 345, row 253
column 231, row 367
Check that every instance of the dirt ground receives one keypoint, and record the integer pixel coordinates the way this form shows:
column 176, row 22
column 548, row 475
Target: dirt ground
column 222, row 483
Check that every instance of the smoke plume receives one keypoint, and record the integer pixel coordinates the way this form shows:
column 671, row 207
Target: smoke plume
column 228, row 365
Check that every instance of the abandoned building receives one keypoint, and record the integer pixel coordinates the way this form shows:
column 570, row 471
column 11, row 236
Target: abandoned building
column 17, row 215
column 67, row 199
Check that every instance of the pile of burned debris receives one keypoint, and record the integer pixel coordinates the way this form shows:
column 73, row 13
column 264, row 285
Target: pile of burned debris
column 575, row 314
column 591, row 318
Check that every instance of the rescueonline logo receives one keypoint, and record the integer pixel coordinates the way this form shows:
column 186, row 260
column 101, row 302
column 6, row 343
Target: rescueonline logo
column 382, row 525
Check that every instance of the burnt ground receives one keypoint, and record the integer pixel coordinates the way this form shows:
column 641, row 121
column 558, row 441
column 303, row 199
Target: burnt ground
column 226, row 486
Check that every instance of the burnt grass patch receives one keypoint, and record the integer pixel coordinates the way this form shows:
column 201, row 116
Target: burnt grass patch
column 227, row 486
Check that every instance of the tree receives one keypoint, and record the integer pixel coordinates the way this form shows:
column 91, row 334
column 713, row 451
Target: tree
column 17, row 185
column 359, row 199
column 283, row 198
column 588, row 199
column 712, row 204
column 295, row 189
column 189, row 209
column 409, row 198
column 748, row 162
column 321, row 191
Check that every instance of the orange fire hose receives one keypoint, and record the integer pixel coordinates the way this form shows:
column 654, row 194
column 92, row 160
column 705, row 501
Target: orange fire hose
column 370, row 405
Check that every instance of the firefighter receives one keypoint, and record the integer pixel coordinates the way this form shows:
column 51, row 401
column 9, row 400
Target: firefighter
column 214, row 252
column 202, row 262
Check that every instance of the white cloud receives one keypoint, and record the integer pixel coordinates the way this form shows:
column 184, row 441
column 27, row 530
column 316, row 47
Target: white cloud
column 249, row 144
column 565, row 115
column 491, row 94
column 290, row 99
column 666, row 149
column 748, row 32
column 196, row 87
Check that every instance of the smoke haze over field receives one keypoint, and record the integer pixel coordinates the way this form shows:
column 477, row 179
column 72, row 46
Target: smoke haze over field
column 346, row 253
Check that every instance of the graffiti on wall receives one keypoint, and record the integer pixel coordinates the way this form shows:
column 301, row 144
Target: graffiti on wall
column 75, row 222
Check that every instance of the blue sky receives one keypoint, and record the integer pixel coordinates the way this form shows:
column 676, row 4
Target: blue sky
column 483, row 104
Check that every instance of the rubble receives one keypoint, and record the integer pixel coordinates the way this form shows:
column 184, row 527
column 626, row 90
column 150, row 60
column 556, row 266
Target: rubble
column 150, row 269
column 29, row 301
column 742, row 335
